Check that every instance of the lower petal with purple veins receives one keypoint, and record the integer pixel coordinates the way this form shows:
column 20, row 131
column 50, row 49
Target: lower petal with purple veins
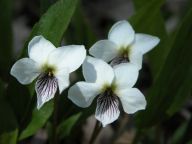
column 119, row 60
column 46, row 87
column 107, row 110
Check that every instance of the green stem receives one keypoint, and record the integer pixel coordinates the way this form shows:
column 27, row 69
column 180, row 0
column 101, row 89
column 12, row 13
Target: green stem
column 122, row 127
column 96, row 132
column 55, row 117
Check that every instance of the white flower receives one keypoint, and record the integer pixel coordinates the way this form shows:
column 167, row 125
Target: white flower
column 123, row 45
column 110, row 85
column 51, row 66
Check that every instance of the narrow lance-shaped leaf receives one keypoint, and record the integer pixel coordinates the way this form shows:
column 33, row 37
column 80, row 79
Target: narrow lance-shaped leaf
column 39, row 118
column 45, row 4
column 54, row 22
column 142, row 3
column 148, row 19
column 80, row 31
column 173, row 85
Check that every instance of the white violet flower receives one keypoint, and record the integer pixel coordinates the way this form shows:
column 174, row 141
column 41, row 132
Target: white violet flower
column 124, row 45
column 51, row 66
column 111, row 85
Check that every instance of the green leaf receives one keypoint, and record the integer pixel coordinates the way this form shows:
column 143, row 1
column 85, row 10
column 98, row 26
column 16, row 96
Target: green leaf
column 54, row 22
column 64, row 129
column 39, row 118
column 45, row 4
column 142, row 3
column 148, row 19
column 80, row 32
column 9, row 137
column 5, row 36
column 173, row 84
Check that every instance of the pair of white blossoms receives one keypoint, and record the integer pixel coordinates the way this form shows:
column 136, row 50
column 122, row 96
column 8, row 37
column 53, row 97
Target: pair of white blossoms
column 110, row 82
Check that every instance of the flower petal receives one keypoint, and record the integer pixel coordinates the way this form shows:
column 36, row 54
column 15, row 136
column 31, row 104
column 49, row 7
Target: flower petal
column 107, row 110
column 62, row 76
column 70, row 57
column 82, row 93
column 122, row 33
column 126, row 75
column 97, row 71
column 104, row 49
column 39, row 49
column 45, row 87
column 132, row 100
column 144, row 42
column 136, row 58
column 25, row 70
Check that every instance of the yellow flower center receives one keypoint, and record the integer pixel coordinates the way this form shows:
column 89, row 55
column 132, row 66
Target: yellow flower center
column 108, row 87
column 124, row 52
column 49, row 70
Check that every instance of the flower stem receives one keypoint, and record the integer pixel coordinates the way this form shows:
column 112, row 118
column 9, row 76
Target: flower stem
column 55, row 117
column 96, row 132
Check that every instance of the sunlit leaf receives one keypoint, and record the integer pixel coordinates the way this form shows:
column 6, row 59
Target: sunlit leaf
column 45, row 4
column 54, row 22
column 39, row 118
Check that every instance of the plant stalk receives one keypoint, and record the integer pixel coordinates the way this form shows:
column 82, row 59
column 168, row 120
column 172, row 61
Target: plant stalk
column 55, row 118
column 96, row 132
